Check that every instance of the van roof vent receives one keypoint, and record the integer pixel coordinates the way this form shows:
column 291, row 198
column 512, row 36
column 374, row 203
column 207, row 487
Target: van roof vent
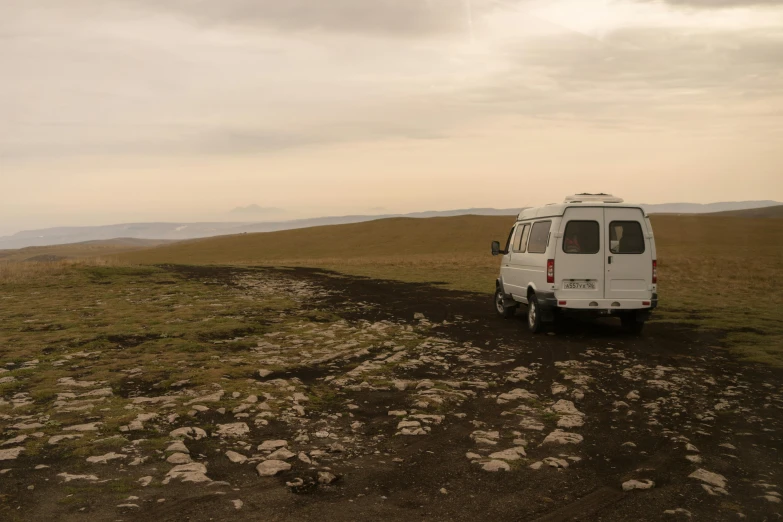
column 593, row 198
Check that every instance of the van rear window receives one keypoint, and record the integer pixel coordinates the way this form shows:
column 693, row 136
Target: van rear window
column 582, row 237
column 539, row 237
column 626, row 237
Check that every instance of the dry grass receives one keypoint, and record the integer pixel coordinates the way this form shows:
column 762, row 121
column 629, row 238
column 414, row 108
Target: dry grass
column 19, row 271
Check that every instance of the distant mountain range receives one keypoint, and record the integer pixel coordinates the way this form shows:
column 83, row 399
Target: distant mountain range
column 182, row 231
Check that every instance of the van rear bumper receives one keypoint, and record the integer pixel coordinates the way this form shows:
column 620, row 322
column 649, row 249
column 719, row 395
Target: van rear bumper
column 548, row 300
column 611, row 305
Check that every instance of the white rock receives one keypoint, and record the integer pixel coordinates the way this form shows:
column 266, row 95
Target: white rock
column 68, row 477
column 496, row 465
column 713, row 479
column 509, row 454
column 696, row 459
column 57, row 438
column 564, row 407
column 304, row 458
column 15, row 440
column 104, row 459
column 281, row 454
column 772, row 498
column 635, row 484
column 194, row 472
column 691, row 448
column 92, row 426
column 324, row 477
column 269, row 445
column 554, row 462
column 398, row 413
column 632, row 396
column 145, row 481
column 212, row 397
column 563, row 437
column 11, row 453
column 408, row 424
column 270, row 468
column 265, row 373
column 179, row 458
column 188, row 433
column 536, row 465
column 236, row 458
column 177, row 446
column 472, row 456
column 531, row 424
column 570, row 421
column 236, row 429
column 237, row 504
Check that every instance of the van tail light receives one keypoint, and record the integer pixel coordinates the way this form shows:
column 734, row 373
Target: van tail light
column 550, row 271
column 655, row 272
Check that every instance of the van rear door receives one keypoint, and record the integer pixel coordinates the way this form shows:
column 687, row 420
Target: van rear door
column 579, row 254
column 628, row 254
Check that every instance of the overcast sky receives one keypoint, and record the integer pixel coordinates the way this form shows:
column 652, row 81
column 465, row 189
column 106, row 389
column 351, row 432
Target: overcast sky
column 180, row 110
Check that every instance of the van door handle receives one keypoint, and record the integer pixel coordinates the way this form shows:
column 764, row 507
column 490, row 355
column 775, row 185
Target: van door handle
column 610, row 260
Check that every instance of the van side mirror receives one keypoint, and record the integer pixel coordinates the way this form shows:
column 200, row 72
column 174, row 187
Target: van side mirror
column 496, row 248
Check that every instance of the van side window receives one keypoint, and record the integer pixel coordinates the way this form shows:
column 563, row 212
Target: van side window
column 539, row 237
column 626, row 237
column 517, row 237
column 582, row 237
column 520, row 241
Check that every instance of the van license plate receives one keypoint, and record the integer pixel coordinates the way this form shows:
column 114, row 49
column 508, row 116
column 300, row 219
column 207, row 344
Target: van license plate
column 579, row 285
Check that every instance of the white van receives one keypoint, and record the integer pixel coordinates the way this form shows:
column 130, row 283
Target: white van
column 592, row 254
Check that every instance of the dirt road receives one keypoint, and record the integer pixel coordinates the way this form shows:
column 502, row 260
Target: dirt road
column 396, row 401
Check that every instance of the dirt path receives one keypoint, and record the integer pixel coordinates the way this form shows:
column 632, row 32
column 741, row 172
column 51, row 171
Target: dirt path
column 401, row 401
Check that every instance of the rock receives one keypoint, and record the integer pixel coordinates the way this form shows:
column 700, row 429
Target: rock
column 194, row 472
column 727, row 446
column 104, row 459
column 554, row 462
column 713, row 479
column 398, row 413
column 281, row 454
column 536, row 465
column 11, row 453
column 531, row 424
column 632, row 396
column 212, row 397
column 326, row 478
column 270, row 468
column 296, row 483
column 558, row 388
column 177, row 446
column 67, row 477
column 15, row 440
column 92, row 426
column 496, row 465
column 179, row 458
column 418, row 316
column 678, row 511
column 629, row 445
column 57, row 438
column 515, row 395
column 335, row 448
column 236, row 458
column 570, row 421
column 563, row 437
column 696, row 459
column 236, row 429
column 564, row 407
column 304, row 458
column 188, row 433
column 264, row 373
column 772, row 498
column 270, row 445
column 408, row 424
column 691, row 448
column 635, row 484
column 128, row 506
column 509, row 454
column 472, row 456
column 237, row 504
column 145, row 481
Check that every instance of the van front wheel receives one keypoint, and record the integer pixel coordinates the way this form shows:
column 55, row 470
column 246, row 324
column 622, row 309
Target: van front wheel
column 506, row 312
column 533, row 314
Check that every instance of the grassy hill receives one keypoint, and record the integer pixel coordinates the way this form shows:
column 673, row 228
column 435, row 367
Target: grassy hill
column 715, row 271
column 766, row 212
column 89, row 249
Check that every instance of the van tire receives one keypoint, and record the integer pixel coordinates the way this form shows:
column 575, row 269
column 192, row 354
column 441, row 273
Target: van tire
column 534, row 323
column 631, row 324
column 506, row 312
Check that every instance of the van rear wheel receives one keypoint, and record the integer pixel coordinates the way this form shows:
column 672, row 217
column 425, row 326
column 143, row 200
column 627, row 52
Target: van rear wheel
column 631, row 324
column 534, row 323
column 503, row 311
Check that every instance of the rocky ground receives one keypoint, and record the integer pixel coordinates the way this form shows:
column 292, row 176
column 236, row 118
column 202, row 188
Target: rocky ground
column 368, row 399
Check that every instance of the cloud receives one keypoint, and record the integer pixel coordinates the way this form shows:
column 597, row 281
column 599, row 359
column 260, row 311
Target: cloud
column 720, row 4
column 388, row 17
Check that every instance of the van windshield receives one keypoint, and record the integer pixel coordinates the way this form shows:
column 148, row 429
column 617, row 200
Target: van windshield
column 626, row 237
